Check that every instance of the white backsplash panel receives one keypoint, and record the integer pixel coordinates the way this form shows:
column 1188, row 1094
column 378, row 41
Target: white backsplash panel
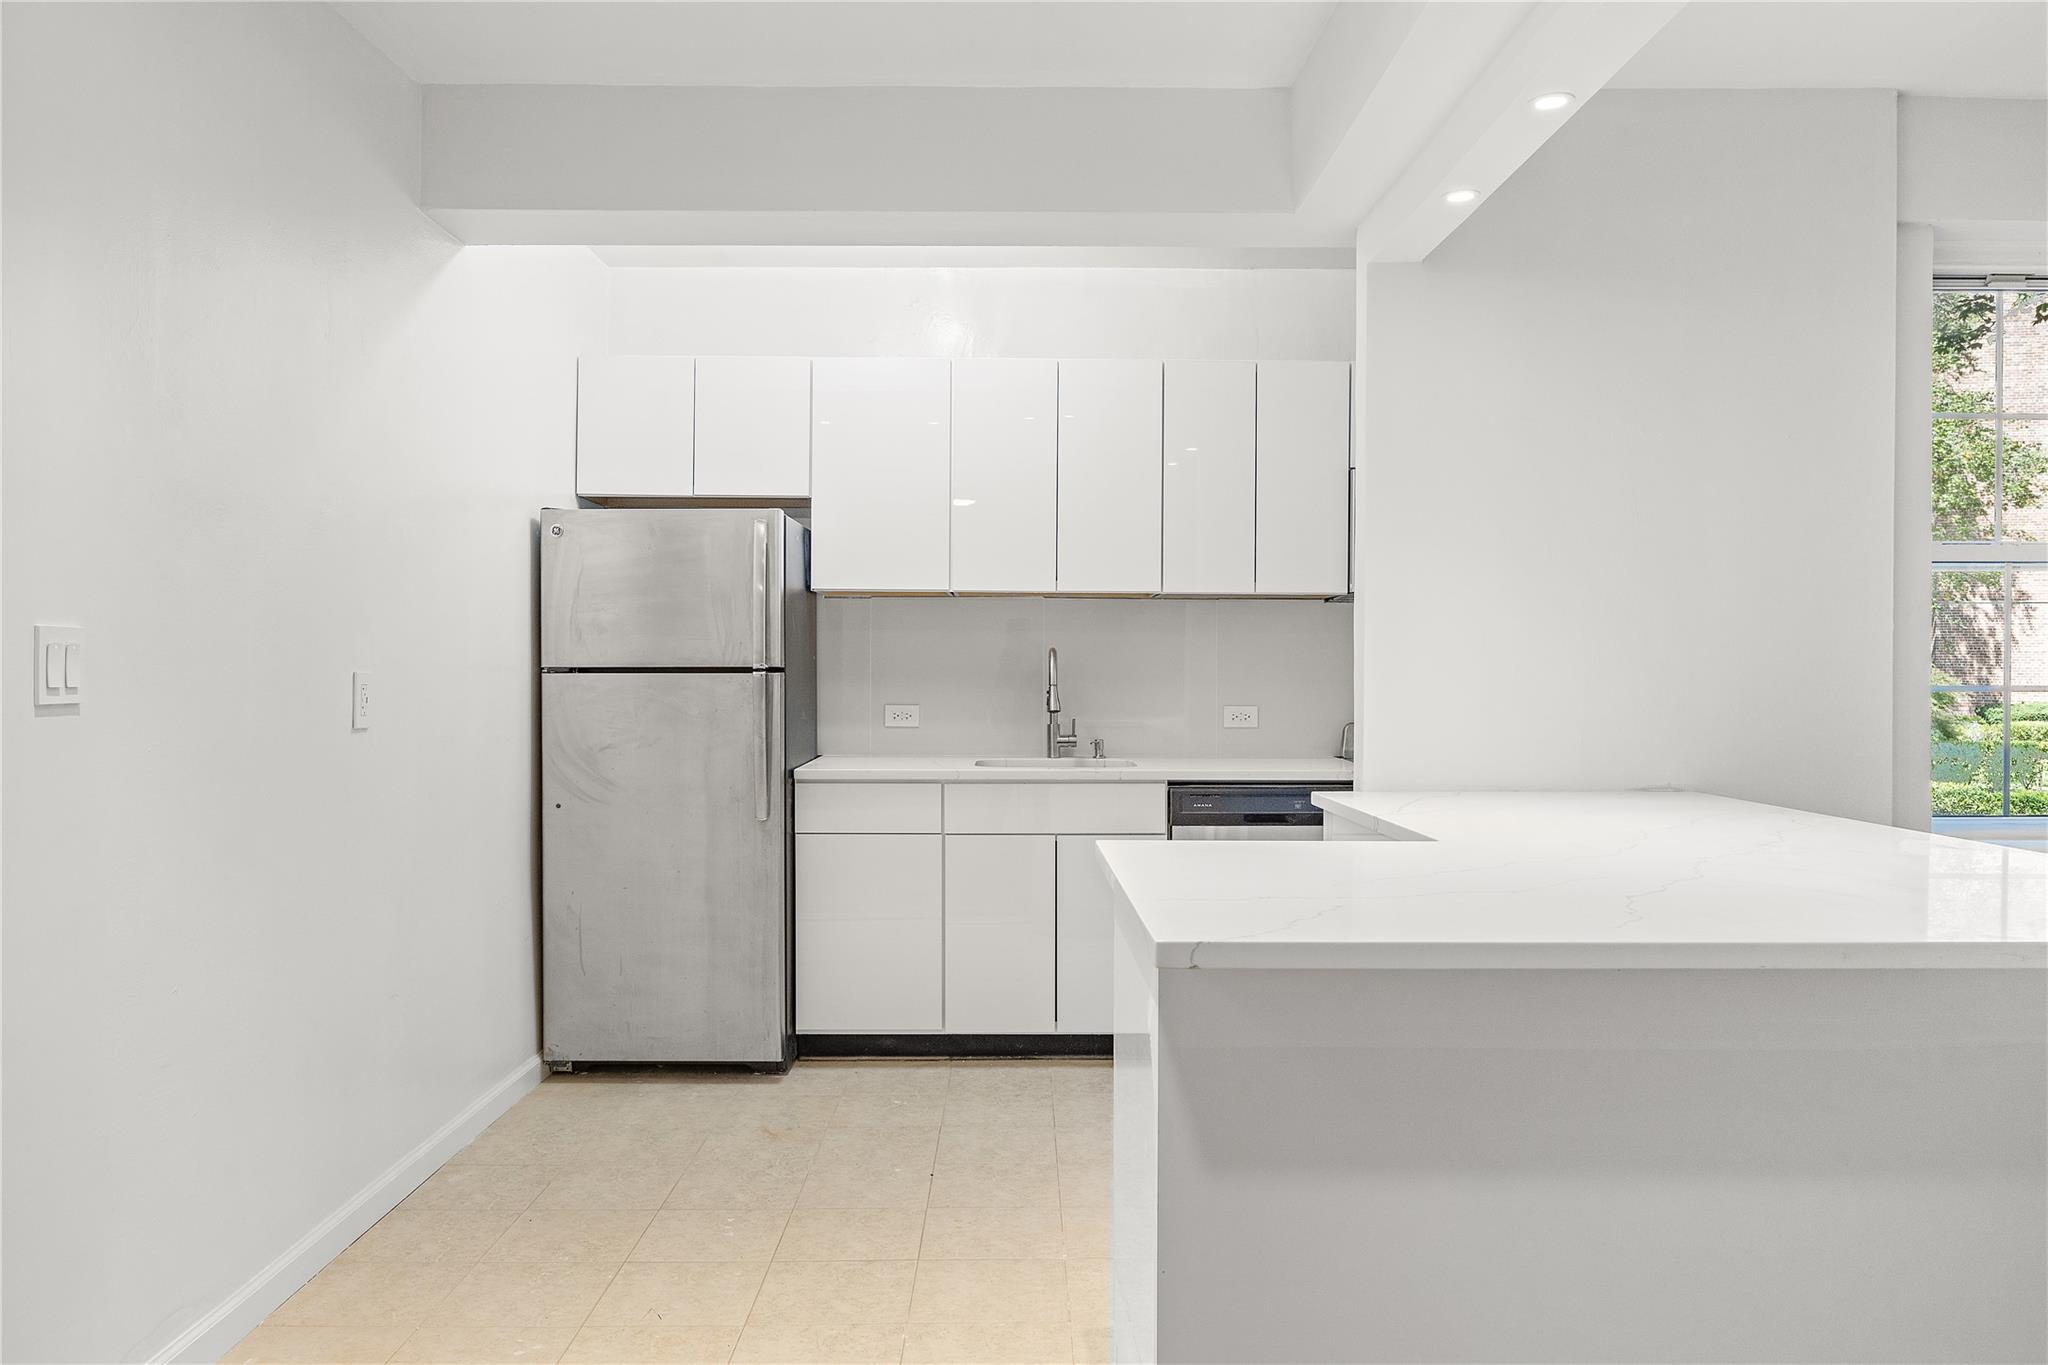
column 1149, row 678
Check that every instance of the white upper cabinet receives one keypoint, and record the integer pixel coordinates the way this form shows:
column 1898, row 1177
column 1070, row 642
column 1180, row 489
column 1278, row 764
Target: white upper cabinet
column 1109, row 471
column 1005, row 445
column 1210, row 478
column 633, row 425
column 880, row 455
column 753, row 427
column 1304, row 477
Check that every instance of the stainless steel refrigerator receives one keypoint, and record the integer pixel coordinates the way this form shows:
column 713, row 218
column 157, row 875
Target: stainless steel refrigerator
column 678, row 688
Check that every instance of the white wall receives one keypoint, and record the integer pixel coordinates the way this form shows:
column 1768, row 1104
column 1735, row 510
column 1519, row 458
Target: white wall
column 1106, row 312
column 1149, row 677
column 1912, row 528
column 264, row 424
column 1626, row 464
column 874, row 149
column 1977, row 171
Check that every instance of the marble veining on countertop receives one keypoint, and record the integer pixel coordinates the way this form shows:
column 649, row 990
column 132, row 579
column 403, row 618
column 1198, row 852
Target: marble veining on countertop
column 961, row 768
column 1586, row 879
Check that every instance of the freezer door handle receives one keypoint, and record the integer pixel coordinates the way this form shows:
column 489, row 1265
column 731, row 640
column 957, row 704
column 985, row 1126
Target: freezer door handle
column 760, row 594
column 763, row 719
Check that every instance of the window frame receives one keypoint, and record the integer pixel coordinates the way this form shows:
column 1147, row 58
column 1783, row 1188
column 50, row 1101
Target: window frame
column 1997, row 552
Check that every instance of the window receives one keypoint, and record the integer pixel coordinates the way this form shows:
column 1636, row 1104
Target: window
column 1989, row 701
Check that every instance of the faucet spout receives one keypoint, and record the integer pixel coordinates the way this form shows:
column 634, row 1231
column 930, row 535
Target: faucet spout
column 1057, row 741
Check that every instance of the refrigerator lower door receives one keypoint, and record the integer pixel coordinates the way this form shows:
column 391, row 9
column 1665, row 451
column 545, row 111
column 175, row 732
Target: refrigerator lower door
column 664, row 873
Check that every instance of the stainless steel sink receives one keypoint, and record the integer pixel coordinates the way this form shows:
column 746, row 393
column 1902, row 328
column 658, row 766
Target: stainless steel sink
column 1055, row 763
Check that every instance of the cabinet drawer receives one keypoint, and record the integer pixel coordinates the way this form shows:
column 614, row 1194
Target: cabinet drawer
column 867, row 807
column 1055, row 808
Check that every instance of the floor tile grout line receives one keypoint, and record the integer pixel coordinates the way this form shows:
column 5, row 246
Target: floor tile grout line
column 1063, row 1185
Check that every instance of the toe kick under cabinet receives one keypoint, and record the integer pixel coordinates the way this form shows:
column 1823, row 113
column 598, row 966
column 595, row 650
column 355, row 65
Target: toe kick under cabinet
column 926, row 907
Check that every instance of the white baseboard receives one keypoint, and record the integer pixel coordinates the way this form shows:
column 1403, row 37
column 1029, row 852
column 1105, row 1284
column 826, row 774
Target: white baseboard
column 214, row 1334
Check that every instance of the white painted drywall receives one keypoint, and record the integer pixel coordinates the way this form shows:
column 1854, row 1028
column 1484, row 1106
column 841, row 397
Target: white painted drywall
column 1976, row 171
column 1626, row 464
column 1972, row 159
column 1148, row 677
column 1100, row 312
column 866, row 150
column 1912, row 528
column 264, row 424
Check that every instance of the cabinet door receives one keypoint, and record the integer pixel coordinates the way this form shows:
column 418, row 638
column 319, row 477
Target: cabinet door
column 999, row 933
column 879, row 468
column 633, row 426
column 753, row 427
column 1109, row 468
column 1085, row 923
column 1304, row 477
column 1005, row 442
column 1209, row 480
column 868, row 932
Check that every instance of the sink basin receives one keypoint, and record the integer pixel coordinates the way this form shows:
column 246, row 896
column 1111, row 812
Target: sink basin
column 1055, row 762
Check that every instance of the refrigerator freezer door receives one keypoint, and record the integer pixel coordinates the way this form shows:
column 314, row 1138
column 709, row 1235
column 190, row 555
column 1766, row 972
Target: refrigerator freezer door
column 661, row 588
column 664, row 896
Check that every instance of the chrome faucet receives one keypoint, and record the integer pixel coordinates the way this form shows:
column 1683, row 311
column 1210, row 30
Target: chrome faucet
column 1058, row 742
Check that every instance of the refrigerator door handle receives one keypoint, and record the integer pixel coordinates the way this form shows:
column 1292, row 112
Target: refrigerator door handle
column 760, row 594
column 763, row 719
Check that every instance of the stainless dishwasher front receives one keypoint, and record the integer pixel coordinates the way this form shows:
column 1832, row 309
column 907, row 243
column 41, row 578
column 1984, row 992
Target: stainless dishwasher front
column 1247, row 810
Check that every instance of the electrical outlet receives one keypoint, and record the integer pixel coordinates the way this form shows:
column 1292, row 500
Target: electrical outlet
column 899, row 716
column 359, row 691
column 1240, row 717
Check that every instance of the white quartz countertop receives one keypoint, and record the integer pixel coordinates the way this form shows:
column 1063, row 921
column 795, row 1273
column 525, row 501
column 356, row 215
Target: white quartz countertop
column 960, row 768
column 1585, row 879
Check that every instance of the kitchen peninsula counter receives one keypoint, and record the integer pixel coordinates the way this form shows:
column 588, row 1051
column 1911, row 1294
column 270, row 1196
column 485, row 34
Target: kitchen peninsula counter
column 1644, row 1076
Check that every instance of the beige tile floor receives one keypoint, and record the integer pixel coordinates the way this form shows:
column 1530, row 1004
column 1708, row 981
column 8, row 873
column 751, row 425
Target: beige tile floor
column 847, row 1212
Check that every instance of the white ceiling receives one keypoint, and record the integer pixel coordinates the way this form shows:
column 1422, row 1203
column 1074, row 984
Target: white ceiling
column 1083, row 43
column 1949, row 47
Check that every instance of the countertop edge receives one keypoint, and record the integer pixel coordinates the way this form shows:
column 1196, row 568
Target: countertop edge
column 1150, row 771
column 1221, row 955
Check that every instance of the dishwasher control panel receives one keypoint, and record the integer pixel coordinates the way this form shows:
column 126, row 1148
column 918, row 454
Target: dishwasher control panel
column 1246, row 810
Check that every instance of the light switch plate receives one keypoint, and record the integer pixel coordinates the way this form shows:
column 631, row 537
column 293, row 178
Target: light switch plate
column 1240, row 717
column 900, row 716
column 359, row 694
column 60, row 665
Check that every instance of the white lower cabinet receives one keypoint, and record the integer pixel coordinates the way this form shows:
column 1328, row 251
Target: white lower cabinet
column 999, row 933
column 870, row 933
column 1084, row 933
column 977, row 907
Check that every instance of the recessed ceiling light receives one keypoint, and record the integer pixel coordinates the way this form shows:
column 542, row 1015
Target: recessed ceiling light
column 1461, row 196
column 963, row 502
column 1551, row 103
